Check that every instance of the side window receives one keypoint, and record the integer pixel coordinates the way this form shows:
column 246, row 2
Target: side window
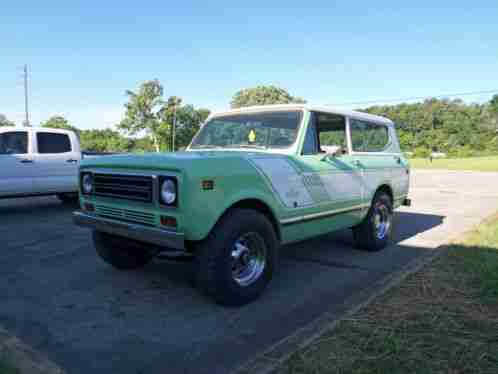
column 331, row 132
column 310, row 147
column 368, row 137
column 53, row 143
column 14, row 143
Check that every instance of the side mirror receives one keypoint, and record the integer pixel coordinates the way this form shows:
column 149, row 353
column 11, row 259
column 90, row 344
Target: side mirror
column 332, row 151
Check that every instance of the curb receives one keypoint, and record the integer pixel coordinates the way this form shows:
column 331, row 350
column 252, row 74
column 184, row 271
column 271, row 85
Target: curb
column 269, row 360
column 23, row 358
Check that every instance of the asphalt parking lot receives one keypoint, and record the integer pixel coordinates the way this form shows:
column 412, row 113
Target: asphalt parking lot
column 57, row 296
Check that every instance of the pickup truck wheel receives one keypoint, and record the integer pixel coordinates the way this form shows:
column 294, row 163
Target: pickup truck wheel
column 237, row 260
column 121, row 253
column 374, row 233
column 68, row 198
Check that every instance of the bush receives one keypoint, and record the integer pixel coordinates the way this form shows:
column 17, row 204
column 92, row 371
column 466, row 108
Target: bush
column 421, row 152
column 462, row 152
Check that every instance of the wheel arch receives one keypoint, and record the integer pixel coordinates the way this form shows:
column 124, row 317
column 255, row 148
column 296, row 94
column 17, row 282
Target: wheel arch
column 258, row 205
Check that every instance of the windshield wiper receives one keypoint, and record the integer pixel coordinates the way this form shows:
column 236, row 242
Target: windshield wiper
column 247, row 146
column 203, row 146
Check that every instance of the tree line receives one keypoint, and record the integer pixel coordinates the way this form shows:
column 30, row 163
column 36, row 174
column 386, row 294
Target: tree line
column 450, row 126
column 435, row 125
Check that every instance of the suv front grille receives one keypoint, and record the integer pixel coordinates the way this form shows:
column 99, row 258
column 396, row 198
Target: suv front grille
column 130, row 187
column 125, row 215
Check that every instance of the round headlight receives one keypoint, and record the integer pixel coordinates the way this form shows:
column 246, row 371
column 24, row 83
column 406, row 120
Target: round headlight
column 87, row 183
column 168, row 191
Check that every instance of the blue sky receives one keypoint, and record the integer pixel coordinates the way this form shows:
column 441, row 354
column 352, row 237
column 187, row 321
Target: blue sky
column 84, row 55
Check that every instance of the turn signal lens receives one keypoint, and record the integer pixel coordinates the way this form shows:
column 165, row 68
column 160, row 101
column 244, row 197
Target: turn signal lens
column 168, row 221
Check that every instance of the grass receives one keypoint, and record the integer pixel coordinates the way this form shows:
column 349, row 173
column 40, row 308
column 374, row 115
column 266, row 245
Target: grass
column 443, row 319
column 472, row 163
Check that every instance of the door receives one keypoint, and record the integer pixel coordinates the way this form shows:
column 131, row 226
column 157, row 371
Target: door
column 16, row 163
column 327, row 160
column 332, row 181
column 56, row 163
column 377, row 154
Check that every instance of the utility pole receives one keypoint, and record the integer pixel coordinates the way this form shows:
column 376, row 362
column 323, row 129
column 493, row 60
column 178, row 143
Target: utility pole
column 26, row 108
column 432, row 135
column 174, row 127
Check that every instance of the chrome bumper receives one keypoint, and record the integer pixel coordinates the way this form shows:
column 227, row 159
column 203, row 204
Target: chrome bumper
column 152, row 235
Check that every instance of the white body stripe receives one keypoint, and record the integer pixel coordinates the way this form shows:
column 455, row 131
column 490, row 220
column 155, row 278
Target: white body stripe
column 300, row 190
column 285, row 180
column 295, row 189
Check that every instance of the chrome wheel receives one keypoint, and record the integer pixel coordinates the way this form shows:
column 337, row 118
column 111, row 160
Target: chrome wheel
column 382, row 220
column 248, row 259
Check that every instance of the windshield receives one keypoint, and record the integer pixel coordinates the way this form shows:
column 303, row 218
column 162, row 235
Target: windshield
column 258, row 130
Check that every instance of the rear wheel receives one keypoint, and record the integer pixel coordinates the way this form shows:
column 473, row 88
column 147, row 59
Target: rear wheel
column 237, row 260
column 375, row 232
column 121, row 253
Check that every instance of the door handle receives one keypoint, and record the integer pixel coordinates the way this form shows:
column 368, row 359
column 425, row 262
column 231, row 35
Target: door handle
column 357, row 163
column 26, row 161
column 71, row 160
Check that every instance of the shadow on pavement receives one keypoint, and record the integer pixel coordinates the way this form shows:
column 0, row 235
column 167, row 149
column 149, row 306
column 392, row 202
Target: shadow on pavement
column 90, row 318
column 30, row 207
column 409, row 224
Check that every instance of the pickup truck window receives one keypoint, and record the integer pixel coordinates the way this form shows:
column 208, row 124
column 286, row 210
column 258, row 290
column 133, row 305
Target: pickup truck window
column 258, row 130
column 368, row 137
column 53, row 143
column 13, row 143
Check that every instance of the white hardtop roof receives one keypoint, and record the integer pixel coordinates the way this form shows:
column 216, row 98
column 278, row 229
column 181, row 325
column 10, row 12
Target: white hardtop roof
column 317, row 108
column 42, row 129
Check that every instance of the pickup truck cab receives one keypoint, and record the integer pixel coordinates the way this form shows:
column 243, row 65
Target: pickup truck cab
column 251, row 180
column 39, row 161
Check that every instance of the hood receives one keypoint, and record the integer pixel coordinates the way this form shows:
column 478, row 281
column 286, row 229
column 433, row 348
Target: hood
column 159, row 161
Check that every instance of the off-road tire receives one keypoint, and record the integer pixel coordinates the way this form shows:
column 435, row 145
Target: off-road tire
column 121, row 253
column 213, row 266
column 364, row 234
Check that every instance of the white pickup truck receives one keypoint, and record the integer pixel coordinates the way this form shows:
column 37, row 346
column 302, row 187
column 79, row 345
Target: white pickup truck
column 39, row 161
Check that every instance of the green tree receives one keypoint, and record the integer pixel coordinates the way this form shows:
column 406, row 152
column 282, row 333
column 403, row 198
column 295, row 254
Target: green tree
column 187, row 124
column 106, row 140
column 167, row 114
column 188, row 121
column 59, row 122
column 263, row 95
column 5, row 122
column 143, row 112
column 450, row 126
column 493, row 104
column 142, row 145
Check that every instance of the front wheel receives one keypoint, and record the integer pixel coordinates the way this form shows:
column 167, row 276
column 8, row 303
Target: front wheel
column 237, row 260
column 375, row 232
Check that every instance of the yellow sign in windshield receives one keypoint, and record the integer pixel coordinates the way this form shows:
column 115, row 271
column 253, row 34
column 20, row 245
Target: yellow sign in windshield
column 252, row 136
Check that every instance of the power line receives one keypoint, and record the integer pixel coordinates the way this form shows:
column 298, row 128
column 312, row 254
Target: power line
column 378, row 101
